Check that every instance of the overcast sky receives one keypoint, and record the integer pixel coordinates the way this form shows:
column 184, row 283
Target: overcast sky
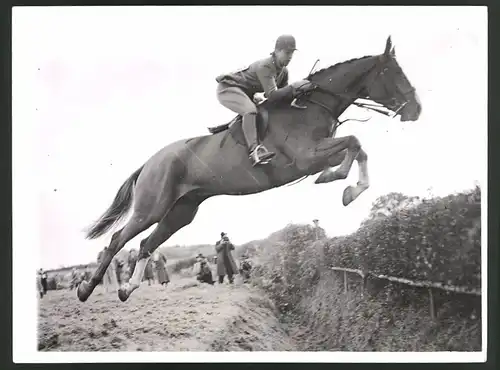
column 97, row 91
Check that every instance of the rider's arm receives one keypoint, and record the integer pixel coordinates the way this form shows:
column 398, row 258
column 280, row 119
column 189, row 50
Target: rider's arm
column 284, row 80
column 265, row 74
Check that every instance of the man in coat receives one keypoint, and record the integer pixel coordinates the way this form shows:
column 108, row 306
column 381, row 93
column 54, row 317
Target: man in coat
column 43, row 276
column 225, row 260
column 39, row 283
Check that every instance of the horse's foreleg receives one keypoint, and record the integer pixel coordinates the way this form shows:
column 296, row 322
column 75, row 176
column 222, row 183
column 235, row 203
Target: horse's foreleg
column 352, row 192
column 344, row 158
column 331, row 149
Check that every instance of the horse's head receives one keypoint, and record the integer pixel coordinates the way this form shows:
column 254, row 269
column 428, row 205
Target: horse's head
column 391, row 88
column 378, row 78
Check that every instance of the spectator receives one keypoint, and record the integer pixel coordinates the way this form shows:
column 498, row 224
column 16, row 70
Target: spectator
column 245, row 268
column 131, row 262
column 87, row 274
column 39, row 286
column 110, row 280
column 121, row 270
column 160, row 267
column 225, row 260
column 75, row 279
column 203, row 271
column 148, row 272
column 43, row 278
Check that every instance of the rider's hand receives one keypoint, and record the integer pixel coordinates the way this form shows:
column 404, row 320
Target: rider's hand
column 304, row 89
column 258, row 98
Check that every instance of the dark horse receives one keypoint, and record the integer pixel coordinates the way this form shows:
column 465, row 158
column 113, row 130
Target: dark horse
column 173, row 183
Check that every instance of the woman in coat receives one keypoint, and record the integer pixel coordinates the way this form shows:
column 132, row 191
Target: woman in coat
column 225, row 260
column 160, row 264
column 148, row 272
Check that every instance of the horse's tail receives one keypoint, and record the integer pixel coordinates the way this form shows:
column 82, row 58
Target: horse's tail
column 117, row 210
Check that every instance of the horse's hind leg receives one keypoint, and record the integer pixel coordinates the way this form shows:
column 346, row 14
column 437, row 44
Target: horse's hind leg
column 180, row 215
column 135, row 226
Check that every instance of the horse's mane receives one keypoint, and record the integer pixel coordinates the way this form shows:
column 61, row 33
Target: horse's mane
column 337, row 65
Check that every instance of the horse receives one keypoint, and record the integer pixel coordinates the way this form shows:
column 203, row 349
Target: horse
column 168, row 189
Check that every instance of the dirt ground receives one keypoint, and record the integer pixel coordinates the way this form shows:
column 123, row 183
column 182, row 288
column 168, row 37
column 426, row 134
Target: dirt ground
column 184, row 316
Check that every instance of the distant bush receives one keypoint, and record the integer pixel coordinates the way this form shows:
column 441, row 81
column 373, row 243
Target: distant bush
column 184, row 252
column 183, row 264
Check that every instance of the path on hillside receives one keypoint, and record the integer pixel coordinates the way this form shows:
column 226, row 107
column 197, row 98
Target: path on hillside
column 184, row 316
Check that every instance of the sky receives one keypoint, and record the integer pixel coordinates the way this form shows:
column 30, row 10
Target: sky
column 98, row 90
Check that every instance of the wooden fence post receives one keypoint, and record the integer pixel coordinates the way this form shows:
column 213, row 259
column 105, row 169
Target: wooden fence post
column 432, row 304
column 363, row 286
column 345, row 281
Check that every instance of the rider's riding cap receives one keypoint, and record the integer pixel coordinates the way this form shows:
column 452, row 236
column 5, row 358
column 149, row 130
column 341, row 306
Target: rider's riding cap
column 285, row 42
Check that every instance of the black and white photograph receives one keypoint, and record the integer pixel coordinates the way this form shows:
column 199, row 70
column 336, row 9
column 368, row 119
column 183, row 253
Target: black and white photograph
column 249, row 183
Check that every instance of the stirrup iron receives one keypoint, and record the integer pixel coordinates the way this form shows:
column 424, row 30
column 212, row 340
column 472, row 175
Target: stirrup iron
column 294, row 104
column 260, row 155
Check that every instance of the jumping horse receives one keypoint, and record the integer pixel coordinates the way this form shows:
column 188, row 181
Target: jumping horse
column 169, row 188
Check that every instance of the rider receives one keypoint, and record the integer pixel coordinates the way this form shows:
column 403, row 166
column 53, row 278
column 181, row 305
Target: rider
column 236, row 90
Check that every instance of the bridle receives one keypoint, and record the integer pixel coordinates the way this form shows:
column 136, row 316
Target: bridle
column 379, row 69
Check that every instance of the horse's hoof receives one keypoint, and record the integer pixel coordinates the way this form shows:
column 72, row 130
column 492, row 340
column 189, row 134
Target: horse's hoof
column 122, row 294
column 83, row 291
column 347, row 197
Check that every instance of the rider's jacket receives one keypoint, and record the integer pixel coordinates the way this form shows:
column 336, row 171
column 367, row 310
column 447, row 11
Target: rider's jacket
column 260, row 76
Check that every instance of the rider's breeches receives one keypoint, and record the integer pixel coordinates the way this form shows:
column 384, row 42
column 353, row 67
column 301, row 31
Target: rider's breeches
column 235, row 99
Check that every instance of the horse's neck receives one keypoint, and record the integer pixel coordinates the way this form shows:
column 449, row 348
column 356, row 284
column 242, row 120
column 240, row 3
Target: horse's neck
column 345, row 79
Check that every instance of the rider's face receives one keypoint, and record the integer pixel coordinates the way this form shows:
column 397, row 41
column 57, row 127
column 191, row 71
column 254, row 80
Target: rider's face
column 284, row 56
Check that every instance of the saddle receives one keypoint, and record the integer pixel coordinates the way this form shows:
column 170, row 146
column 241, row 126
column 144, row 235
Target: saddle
column 234, row 128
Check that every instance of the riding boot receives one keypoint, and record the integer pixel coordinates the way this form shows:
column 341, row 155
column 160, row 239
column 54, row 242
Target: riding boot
column 258, row 153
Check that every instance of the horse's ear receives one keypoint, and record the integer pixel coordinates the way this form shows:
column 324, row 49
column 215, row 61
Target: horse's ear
column 388, row 46
column 393, row 51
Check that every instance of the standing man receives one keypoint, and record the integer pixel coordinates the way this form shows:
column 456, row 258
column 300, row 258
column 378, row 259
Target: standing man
column 225, row 260
column 43, row 276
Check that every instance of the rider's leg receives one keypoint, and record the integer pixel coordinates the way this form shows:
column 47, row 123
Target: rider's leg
column 236, row 100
